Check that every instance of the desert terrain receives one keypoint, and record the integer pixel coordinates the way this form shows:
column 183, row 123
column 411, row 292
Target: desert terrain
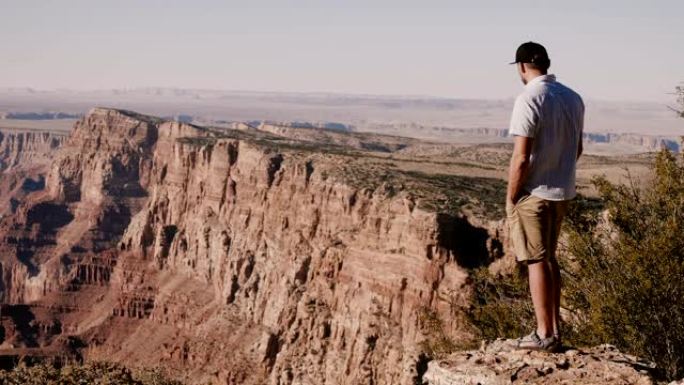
column 611, row 127
column 302, row 251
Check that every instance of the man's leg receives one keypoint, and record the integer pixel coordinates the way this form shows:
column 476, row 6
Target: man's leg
column 529, row 220
column 559, row 209
column 556, row 277
column 542, row 290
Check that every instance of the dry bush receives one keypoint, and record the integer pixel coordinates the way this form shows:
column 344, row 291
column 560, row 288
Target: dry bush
column 501, row 304
column 679, row 92
column 436, row 344
column 90, row 373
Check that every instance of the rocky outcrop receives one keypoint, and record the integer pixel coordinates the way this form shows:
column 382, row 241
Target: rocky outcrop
column 648, row 142
column 25, row 156
column 27, row 148
column 231, row 260
column 497, row 364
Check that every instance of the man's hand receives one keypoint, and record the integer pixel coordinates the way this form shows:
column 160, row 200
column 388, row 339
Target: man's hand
column 520, row 161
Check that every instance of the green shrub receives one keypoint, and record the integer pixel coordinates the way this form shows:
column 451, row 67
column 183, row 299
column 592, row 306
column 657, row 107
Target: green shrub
column 626, row 277
column 622, row 277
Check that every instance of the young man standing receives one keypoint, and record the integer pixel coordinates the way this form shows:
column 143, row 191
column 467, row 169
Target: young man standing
column 547, row 124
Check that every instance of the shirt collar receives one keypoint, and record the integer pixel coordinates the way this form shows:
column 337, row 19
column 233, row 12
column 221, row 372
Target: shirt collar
column 548, row 78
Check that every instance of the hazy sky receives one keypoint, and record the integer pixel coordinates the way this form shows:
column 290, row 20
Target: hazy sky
column 606, row 49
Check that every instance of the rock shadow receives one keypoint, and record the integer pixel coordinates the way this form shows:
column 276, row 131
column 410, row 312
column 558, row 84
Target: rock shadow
column 467, row 243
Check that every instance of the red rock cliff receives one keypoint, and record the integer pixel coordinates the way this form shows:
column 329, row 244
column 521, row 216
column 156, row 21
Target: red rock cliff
column 25, row 156
column 229, row 260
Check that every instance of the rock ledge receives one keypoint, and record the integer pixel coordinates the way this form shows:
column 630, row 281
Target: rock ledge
column 496, row 363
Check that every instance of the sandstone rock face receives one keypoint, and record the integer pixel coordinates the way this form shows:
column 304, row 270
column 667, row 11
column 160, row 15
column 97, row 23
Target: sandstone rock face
column 227, row 260
column 25, row 156
column 496, row 364
column 26, row 148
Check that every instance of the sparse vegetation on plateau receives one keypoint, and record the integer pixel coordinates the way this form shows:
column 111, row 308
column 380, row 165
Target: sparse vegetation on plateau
column 438, row 192
column 435, row 192
column 452, row 193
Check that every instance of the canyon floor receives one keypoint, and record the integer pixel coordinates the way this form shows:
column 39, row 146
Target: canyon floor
column 247, row 254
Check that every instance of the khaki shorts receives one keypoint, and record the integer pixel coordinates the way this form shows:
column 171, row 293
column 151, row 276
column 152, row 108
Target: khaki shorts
column 534, row 225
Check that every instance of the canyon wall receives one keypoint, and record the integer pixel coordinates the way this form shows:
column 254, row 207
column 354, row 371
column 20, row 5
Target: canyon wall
column 228, row 260
column 645, row 142
column 25, row 156
column 648, row 142
column 27, row 147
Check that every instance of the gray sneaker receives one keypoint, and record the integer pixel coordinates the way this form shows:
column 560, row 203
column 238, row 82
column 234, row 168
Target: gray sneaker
column 532, row 341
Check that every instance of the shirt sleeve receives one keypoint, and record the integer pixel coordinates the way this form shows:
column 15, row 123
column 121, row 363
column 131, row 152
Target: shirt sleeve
column 525, row 117
column 581, row 121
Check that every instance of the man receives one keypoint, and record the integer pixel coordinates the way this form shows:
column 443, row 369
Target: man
column 547, row 124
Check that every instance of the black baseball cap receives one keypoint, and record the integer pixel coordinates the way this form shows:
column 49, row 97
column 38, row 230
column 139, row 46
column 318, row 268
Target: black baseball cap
column 532, row 52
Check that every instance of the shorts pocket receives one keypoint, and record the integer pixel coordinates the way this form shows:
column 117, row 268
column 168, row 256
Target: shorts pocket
column 526, row 195
column 517, row 238
column 511, row 208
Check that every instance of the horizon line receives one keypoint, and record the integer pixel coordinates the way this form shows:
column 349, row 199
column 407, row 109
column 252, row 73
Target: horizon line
column 310, row 93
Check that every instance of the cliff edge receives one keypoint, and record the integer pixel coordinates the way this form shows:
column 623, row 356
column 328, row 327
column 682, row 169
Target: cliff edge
column 237, row 257
column 497, row 364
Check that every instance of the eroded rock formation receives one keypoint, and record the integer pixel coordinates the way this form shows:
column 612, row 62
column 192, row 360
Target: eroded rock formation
column 25, row 157
column 27, row 148
column 227, row 259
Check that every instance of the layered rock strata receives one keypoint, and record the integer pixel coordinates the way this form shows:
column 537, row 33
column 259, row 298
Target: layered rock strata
column 229, row 260
column 27, row 147
column 25, row 157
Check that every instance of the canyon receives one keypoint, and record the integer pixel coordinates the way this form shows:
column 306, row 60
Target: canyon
column 229, row 256
column 611, row 127
column 276, row 253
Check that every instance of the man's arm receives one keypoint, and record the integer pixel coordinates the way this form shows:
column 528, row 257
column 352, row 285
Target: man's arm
column 581, row 129
column 579, row 148
column 520, row 162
